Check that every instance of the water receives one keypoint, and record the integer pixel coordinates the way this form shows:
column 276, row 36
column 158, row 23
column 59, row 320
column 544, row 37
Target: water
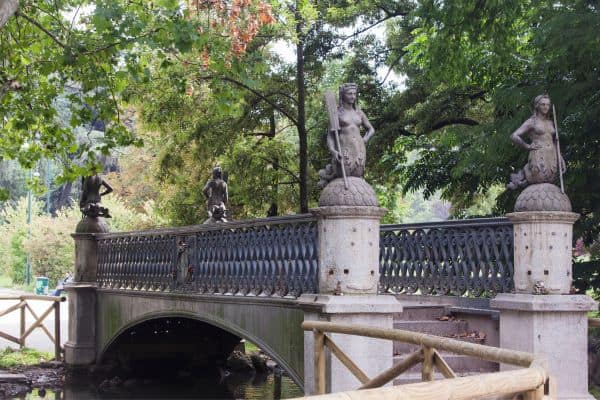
column 239, row 386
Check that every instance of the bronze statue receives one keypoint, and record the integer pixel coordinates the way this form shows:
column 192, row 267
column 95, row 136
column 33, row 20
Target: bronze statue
column 544, row 155
column 217, row 197
column 344, row 140
column 89, row 203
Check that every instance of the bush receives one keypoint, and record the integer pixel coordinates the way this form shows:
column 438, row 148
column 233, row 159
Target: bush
column 50, row 245
column 18, row 267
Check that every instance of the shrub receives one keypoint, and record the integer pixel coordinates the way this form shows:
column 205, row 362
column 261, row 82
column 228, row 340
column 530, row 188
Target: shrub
column 50, row 245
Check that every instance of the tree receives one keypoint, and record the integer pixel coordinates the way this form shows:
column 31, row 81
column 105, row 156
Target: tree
column 472, row 71
column 94, row 47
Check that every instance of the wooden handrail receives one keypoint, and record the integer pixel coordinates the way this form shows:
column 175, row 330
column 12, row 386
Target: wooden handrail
column 24, row 306
column 594, row 322
column 505, row 356
column 533, row 377
column 529, row 380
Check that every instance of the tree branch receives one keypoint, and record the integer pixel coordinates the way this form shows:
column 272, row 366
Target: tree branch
column 454, row 121
column 279, row 166
column 255, row 92
column 40, row 27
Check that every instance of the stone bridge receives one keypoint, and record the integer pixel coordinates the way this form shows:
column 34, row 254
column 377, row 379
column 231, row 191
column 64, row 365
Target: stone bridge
column 188, row 295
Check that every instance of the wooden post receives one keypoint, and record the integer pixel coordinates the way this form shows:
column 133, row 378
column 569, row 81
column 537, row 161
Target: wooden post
column 535, row 394
column 319, row 362
column 57, row 330
column 22, row 328
column 427, row 368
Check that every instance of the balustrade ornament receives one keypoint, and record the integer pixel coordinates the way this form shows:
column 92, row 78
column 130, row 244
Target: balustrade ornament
column 454, row 257
column 265, row 257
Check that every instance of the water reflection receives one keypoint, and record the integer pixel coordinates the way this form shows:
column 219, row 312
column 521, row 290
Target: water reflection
column 238, row 386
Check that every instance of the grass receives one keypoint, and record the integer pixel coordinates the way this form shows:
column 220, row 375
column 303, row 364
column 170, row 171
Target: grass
column 10, row 358
column 251, row 347
column 595, row 391
column 6, row 282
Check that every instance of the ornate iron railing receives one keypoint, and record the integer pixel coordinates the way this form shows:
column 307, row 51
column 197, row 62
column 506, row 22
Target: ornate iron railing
column 262, row 257
column 472, row 257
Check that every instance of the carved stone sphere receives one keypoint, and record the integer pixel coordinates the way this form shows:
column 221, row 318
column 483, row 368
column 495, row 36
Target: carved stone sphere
column 92, row 225
column 542, row 197
column 359, row 193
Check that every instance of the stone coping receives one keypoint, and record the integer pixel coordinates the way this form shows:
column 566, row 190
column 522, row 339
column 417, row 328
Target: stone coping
column 349, row 212
column 350, row 304
column 544, row 303
column 543, row 216
column 209, row 298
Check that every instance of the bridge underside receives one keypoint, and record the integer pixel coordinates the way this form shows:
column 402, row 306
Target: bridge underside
column 273, row 324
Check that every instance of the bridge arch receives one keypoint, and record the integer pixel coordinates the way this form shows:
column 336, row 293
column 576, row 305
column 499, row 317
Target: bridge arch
column 272, row 324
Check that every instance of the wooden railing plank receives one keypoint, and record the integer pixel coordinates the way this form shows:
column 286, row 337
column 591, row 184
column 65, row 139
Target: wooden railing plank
column 442, row 366
column 512, row 357
column 344, row 359
column 39, row 322
column 42, row 326
column 386, row 376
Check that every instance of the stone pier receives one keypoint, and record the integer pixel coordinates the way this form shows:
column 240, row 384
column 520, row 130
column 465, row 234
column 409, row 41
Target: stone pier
column 542, row 317
column 348, row 232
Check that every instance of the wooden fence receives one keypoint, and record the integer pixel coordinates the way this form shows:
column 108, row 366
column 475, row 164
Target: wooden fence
column 23, row 306
column 532, row 381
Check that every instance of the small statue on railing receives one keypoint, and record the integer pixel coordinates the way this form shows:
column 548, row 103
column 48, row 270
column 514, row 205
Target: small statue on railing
column 89, row 204
column 545, row 164
column 217, row 197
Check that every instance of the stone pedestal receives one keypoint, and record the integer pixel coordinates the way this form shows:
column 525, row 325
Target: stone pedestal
column 80, row 349
column 86, row 257
column 542, row 248
column 348, row 249
column 372, row 356
column 555, row 326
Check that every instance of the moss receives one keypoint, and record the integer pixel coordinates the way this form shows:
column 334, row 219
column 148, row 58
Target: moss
column 595, row 391
column 10, row 358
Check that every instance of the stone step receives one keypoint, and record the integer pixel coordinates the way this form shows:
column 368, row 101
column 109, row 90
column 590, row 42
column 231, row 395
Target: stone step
column 415, row 377
column 434, row 327
column 471, row 337
column 421, row 312
column 459, row 363
column 8, row 377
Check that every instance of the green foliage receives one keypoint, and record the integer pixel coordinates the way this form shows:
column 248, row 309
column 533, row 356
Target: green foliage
column 472, row 71
column 18, row 267
column 49, row 243
column 11, row 358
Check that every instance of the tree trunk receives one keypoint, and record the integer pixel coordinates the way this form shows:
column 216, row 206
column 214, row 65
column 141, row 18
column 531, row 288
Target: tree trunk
column 301, row 112
column 7, row 9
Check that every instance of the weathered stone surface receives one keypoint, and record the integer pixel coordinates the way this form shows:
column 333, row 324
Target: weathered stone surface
column 551, row 326
column 359, row 193
column 92, row 225
column 542, row 251
column 542, row 197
